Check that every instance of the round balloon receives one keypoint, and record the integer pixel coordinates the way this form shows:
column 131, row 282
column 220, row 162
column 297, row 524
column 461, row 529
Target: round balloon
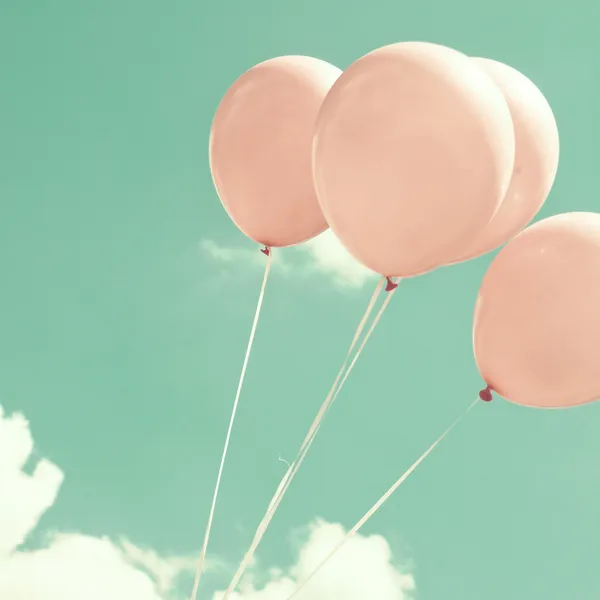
column 260, row 149
column 536, row 331
column 413, row 153
column 536, row 158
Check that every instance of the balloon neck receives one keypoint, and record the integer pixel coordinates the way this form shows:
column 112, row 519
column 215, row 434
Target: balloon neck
column 486, row 394
column 266, row 251
column 390, row 286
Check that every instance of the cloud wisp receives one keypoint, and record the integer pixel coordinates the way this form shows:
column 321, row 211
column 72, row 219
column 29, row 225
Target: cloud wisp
column 323, row 256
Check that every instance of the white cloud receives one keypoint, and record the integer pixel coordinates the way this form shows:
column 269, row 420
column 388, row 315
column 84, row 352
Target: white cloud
column 24, row 498
column 362, row 570
column 323, row 255
column 74, row 567
column 70, row 566
column 329, row 257
column 165, row 572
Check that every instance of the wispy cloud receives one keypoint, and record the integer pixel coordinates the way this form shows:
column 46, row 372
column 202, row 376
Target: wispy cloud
column 323, row 256
column 327, row 256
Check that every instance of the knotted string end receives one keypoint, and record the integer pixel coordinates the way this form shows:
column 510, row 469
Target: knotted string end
column 486, row 394
column 390, row 285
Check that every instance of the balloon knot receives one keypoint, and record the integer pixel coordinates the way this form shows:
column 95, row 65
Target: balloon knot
column 390, row 286
column 266, row 251
column 486, row 394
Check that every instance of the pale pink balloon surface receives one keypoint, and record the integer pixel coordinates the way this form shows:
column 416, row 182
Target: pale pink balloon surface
column 413, row 153
column 536, row 331
column 536, row 158
column 261, row 145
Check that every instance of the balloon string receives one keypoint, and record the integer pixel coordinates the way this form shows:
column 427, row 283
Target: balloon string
column 335, row 389
column 365, row 340
column 202, row 559
column 314, row 428
column 324, row 409
column 380, row 502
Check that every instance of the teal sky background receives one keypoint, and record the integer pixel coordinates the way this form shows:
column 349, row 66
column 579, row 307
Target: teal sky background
column 122, row 341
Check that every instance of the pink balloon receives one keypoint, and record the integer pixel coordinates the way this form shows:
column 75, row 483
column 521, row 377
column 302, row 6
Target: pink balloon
column 536, row 158
column 261, row 145
column 536, row 332
column 413, row 153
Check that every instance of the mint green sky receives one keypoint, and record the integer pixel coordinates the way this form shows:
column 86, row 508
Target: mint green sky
column 122, row 342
